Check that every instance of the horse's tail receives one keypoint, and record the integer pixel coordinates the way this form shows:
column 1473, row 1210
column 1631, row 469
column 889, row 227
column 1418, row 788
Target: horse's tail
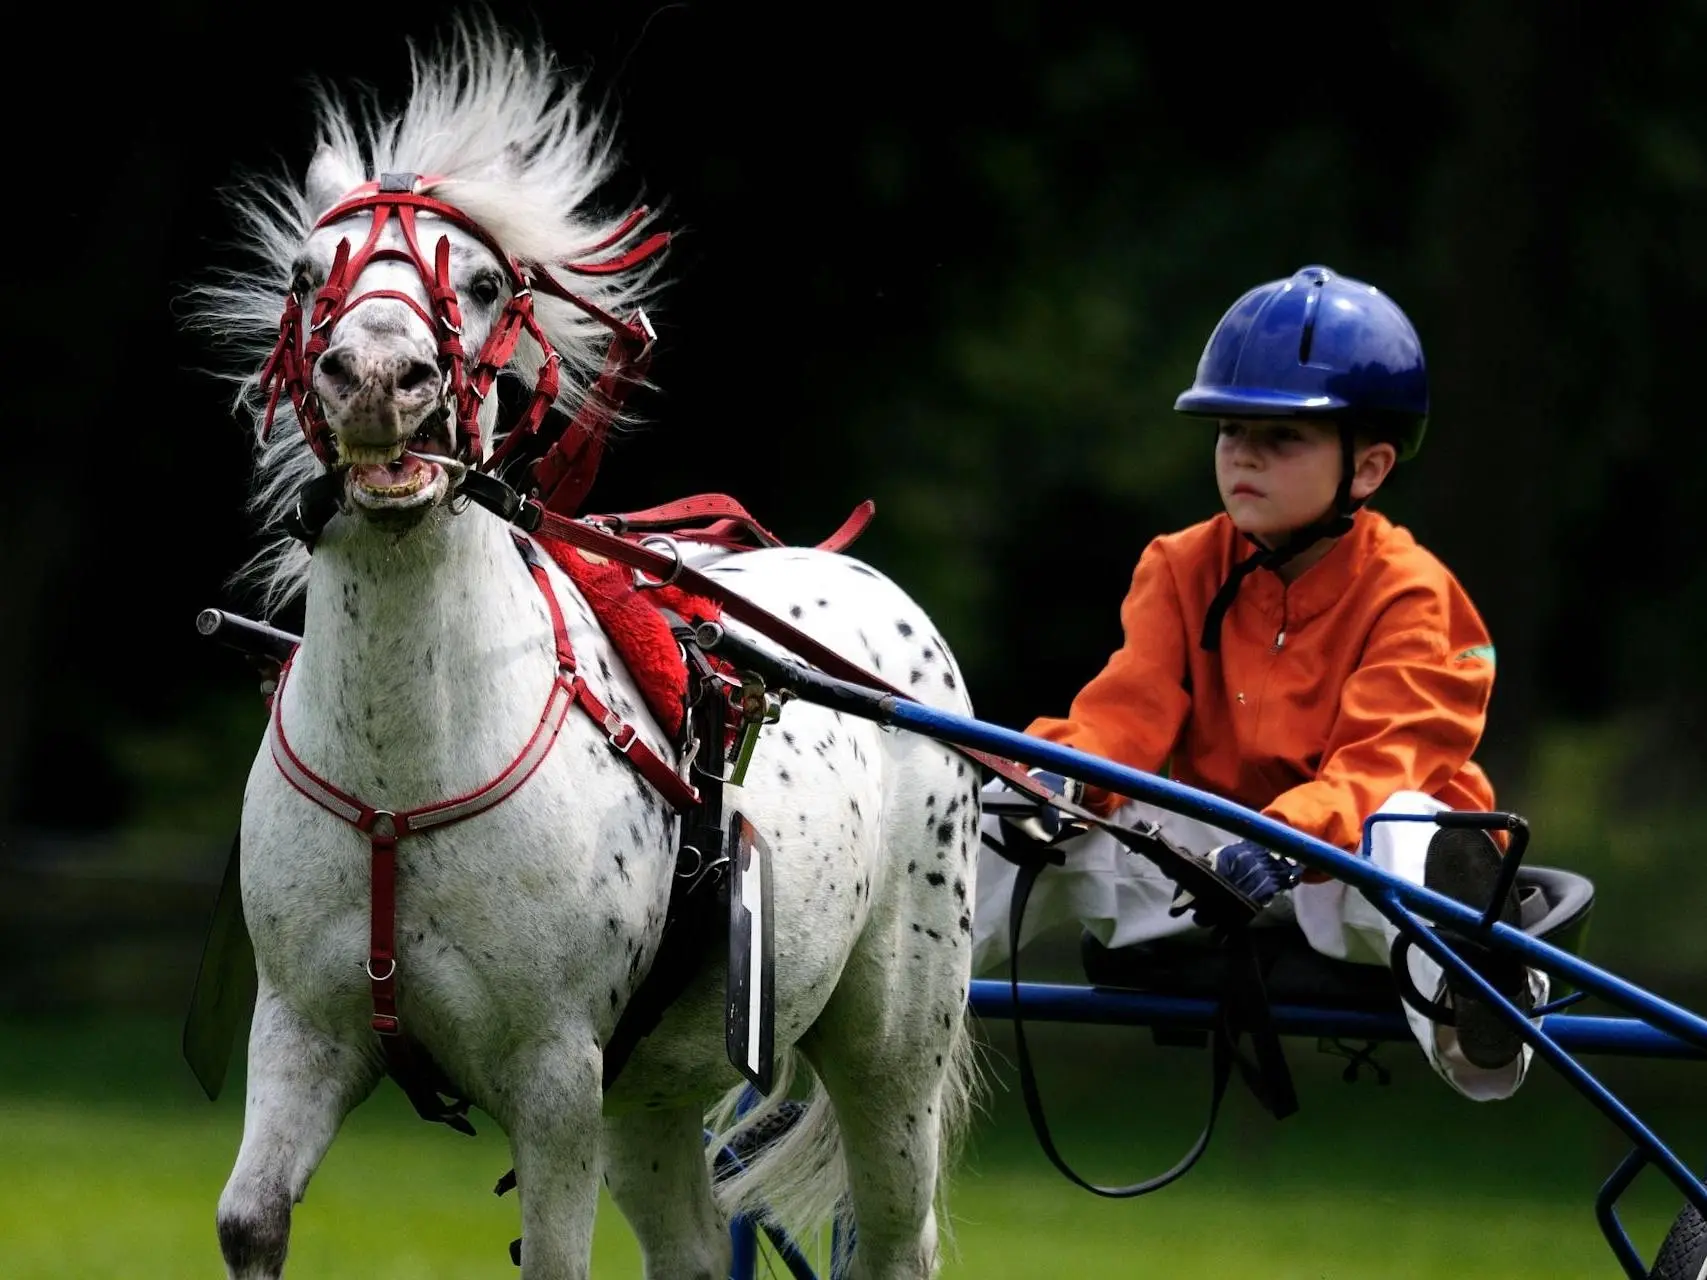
column 962, row 1094
column 789, row 1170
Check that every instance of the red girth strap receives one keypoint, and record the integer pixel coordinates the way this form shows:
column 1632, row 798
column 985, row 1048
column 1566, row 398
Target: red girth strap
column 385, row 828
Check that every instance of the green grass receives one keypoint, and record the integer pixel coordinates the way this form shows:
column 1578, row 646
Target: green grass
column 113, row 1163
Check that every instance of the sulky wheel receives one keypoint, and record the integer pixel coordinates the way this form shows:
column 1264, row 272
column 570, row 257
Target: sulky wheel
column 1683, row 1255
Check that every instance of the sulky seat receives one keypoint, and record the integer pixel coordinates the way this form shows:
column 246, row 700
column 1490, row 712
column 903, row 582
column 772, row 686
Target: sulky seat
column 1554, row 905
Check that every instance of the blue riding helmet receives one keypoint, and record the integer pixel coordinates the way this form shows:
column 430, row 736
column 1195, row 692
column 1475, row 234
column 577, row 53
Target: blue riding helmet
column 1317, row 345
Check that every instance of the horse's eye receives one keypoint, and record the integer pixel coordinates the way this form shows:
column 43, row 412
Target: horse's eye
column 485, row 288
column 301, row 280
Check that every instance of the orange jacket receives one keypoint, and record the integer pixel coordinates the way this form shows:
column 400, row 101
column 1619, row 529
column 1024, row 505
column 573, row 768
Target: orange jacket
column 1369, row 674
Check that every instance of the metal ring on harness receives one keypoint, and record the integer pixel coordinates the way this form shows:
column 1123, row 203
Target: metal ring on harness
column 380, row 977
column 640, row 581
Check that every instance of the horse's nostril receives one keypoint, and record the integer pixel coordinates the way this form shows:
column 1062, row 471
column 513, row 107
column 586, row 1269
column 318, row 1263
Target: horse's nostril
column 336, row 369
column 417, row 373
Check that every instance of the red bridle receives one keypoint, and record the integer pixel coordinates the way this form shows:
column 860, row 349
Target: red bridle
column 566, row 472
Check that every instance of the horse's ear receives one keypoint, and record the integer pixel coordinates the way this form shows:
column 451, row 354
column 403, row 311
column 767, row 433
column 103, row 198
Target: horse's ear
column 329, row 178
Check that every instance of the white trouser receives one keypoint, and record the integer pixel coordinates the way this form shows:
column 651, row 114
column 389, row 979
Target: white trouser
column 1122, row 898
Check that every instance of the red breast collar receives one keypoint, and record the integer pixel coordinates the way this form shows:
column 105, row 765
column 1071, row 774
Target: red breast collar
column 385, row 827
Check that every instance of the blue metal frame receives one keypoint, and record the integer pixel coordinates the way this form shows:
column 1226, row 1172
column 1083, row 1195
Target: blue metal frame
column 1102, row 1006
column 1660, row 1028
column 1401, row 901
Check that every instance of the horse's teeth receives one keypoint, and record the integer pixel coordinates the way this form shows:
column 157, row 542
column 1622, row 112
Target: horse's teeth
column 360, row 455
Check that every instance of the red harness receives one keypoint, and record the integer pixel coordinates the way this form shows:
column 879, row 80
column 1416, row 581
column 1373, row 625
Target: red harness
column 566, row 472
column 385, row 827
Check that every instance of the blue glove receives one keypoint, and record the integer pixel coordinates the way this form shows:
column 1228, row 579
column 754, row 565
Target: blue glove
column 1045, row 824
column 1255, row 871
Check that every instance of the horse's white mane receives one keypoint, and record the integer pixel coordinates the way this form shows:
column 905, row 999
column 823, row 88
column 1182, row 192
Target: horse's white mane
column 520, row 153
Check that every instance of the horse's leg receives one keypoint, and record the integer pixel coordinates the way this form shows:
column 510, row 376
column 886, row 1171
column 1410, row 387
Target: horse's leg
column 888, row 1095
column 551, row 1110
column 301, row 1085
column 655, row 1168
column 890, row 1045
column 884, row 1051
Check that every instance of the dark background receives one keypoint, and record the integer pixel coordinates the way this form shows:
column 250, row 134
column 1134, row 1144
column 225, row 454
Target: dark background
column 959, row 261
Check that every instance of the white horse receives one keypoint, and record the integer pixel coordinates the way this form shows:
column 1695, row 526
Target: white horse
column 428, row 653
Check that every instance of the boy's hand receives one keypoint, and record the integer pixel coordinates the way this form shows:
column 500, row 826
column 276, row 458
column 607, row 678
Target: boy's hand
column 1256, row 872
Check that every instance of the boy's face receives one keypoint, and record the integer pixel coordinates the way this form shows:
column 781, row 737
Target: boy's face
column 1277, row 475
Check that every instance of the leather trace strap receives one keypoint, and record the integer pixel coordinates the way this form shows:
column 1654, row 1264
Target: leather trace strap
column 1212, row 890
column 384, row 828
column 1243, row 1009
column 697, row 891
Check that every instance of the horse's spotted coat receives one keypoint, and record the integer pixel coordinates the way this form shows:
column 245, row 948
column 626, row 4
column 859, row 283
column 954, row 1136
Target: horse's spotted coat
column 522, row 931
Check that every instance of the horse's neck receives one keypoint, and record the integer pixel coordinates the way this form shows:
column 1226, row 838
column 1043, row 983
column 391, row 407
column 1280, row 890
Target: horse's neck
column 425, row 663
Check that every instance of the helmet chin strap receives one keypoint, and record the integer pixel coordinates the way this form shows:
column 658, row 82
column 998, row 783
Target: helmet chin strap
column 1334, row 524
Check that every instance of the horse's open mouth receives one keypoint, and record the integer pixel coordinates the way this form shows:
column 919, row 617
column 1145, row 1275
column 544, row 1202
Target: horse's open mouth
column 412, row 478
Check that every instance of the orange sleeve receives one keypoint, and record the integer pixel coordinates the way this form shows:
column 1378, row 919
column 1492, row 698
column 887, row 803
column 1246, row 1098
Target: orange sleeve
column 1409, row 718
column 1132, row 710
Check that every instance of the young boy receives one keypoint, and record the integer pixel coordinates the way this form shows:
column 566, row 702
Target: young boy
column 1298, row 654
